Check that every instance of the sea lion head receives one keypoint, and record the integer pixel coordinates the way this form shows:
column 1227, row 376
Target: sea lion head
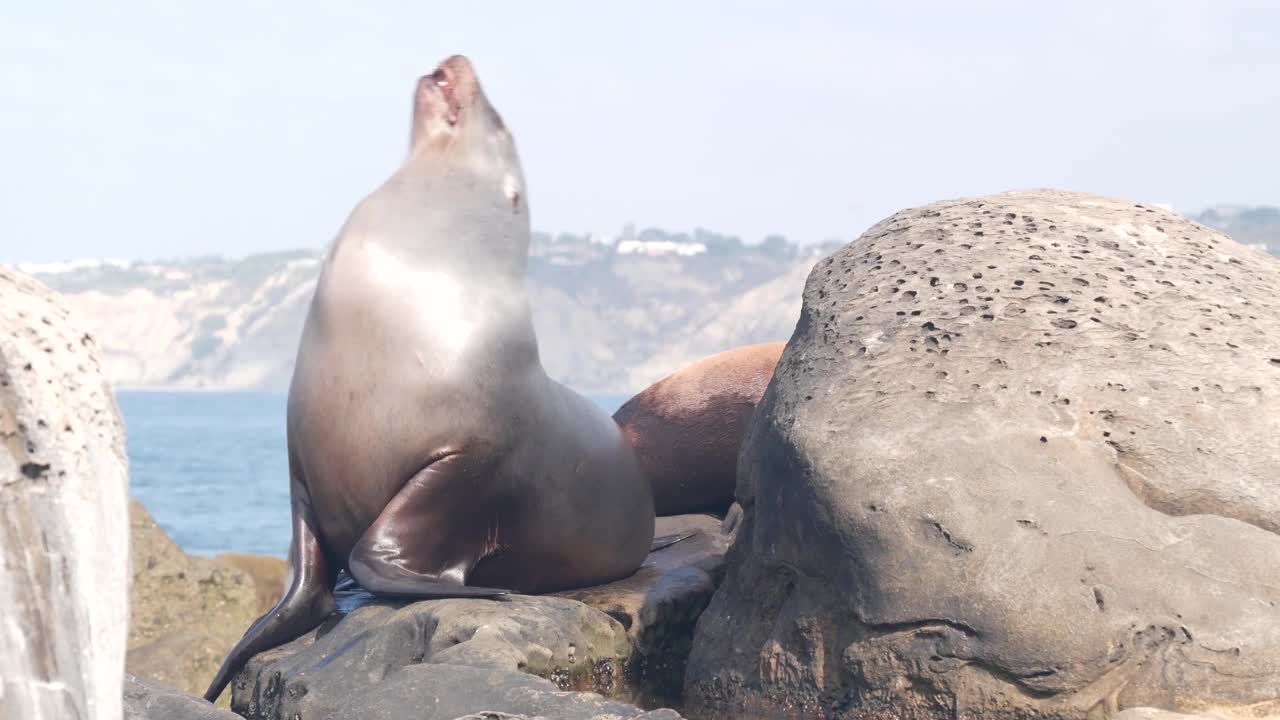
column 455, row 126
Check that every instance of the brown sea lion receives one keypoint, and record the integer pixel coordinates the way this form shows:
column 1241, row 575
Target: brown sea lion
column 688, row 426
column 430, row 455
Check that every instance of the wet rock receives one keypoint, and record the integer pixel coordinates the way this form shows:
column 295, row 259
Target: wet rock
column 64, row 562
column 187, row 611
column 659, row 605
column 1019, row 459
column 144, row 700
column 619, row 640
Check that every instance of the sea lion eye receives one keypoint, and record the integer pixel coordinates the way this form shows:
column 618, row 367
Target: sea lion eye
column 440, row 78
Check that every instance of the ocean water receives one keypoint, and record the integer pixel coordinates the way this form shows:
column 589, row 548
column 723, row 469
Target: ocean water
column 211, row 466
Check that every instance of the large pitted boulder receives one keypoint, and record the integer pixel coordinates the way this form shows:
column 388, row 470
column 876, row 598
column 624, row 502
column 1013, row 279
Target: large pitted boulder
column 64, row 530
column 1020, row 458
column 519, row 654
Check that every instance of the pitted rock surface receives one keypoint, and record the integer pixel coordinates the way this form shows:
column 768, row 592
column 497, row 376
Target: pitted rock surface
column 64, row 522
column 1021, row 456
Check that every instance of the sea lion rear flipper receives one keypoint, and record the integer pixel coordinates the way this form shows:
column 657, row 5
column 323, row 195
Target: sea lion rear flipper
column 307, row 602
column 429, row 537
column 663, row 541
column 377, row 580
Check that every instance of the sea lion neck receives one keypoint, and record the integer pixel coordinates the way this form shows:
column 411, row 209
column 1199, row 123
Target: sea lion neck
column 486, row 269
column 446, row 216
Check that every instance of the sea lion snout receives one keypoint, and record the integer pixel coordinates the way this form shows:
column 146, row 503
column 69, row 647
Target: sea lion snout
column 445, row 96
column 456, row 77
column 459, row 66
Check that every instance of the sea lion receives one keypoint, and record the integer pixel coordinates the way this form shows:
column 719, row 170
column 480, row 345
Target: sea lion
column 687, row 427
column 430, row 455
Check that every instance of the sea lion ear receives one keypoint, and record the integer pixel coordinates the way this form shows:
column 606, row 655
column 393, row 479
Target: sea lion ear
column 511, row 188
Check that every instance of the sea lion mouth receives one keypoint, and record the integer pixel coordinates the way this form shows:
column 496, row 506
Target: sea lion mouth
column 448, row 100
column 447, row 82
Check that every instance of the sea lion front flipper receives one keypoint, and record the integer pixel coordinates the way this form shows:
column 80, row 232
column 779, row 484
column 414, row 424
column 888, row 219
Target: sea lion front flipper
column 307, row 602
column 429, row 537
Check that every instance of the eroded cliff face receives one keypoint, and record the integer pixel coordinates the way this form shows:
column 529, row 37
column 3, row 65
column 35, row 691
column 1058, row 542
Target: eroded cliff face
column 607, row 322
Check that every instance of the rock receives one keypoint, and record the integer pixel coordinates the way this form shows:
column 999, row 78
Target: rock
column 659, row 605
column 621, row 640
column 352, row 655
column 187, row 611
column 145, row 700
column 1146, row 713
column 445, row 692
column 268, row 575
column 64, row 538
column 1020, row 458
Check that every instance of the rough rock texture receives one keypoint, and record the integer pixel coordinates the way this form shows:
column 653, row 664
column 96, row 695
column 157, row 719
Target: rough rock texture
column 1157, row 714
column 144, row 700
column 659, row 605
column 627, row 640
column 1021, row 456
column 268, row 575
column 353, row 657
column 187, row 611
column 64, row 536
column 445, row 692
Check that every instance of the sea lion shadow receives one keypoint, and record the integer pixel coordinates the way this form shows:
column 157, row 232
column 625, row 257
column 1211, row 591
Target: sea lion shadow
column 349, row 596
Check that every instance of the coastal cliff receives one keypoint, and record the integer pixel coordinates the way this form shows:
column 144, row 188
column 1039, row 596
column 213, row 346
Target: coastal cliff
column 611, row 317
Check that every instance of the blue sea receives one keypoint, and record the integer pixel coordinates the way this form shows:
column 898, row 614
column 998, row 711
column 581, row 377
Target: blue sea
column 211, row 466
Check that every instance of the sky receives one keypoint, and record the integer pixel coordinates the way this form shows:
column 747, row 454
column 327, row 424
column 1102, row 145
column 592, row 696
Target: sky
column 146, row 130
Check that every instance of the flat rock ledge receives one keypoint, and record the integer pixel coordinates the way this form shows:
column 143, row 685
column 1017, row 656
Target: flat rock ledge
column 449, row 692
column 581, row 654
column 146, row 700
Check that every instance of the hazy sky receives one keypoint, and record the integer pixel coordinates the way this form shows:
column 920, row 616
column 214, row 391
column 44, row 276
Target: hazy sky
column 161, row 129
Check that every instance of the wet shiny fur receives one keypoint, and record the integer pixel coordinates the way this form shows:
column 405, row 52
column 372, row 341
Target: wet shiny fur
column 687, row 427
